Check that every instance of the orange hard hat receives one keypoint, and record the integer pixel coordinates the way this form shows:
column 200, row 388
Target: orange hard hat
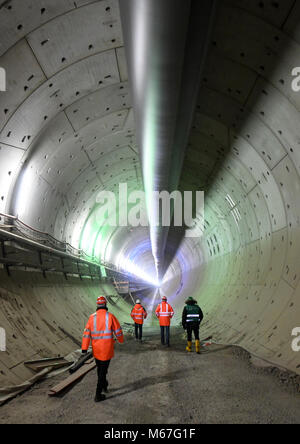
column 101, row 301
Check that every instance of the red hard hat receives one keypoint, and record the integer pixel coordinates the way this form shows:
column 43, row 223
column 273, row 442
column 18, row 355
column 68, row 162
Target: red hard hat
column 101, row 301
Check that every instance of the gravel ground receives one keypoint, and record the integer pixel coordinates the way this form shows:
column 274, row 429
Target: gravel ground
column 150, row 384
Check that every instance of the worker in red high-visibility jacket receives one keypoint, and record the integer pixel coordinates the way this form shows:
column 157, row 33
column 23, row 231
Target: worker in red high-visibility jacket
column 165, row 312
column 101, row 328
column 138, row 314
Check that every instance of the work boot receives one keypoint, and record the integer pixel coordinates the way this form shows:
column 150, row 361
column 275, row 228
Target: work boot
column 189, row 346
column 99, row 397
column 198, row 347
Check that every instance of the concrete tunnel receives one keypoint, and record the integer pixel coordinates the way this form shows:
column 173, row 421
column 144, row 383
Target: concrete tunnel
column 69, row 129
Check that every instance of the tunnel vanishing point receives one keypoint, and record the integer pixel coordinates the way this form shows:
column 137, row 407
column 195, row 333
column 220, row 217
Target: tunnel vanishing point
column 159, row 95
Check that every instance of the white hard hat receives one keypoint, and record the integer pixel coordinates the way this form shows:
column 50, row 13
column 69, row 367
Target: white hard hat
column 138, row 301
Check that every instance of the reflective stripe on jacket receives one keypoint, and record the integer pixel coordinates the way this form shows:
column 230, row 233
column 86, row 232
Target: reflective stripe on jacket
column 100, row 329
column 164, row 312
column 193, row 317
column 138, row 314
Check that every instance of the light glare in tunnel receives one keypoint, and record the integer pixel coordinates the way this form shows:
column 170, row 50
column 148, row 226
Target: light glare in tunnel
column 24, row 193
column 125, row 264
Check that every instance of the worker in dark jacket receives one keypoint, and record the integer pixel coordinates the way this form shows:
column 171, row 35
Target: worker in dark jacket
column 191, row 319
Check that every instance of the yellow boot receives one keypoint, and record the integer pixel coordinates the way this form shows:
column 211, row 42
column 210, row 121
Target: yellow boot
column 198, row 347
column 189, row 346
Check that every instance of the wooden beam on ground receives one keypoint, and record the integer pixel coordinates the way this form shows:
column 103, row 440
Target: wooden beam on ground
column 40, row 364
column 86, row 368
column 8, row 393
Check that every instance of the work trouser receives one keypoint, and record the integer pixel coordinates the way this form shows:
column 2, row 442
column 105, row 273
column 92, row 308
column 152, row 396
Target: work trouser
column 102, row 369
column 139, row 331
column 193, row 327
column 165, row 331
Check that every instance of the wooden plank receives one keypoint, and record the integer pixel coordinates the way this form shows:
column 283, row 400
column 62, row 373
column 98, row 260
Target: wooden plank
column 44, row 360
column 56, row 365
column 86, row 368
column 40, row 364
column 8, row 393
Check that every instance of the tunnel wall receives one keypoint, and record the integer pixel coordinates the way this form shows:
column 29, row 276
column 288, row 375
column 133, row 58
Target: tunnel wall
column 33, row 309
column 250, row 289
column 244, row 152
column 255, row 316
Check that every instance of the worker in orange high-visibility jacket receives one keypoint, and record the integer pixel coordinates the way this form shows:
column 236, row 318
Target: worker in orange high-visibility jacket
column 101, row 328
column 165, row 312
column 138, row 314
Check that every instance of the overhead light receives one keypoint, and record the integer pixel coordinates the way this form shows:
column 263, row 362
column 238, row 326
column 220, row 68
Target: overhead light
column 126, row 265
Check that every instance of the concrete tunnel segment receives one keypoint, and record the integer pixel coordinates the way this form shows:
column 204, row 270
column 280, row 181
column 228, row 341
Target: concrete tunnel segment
column 67, row 131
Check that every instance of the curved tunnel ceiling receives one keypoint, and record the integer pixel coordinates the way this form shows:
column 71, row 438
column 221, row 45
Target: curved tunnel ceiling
column 68, row 131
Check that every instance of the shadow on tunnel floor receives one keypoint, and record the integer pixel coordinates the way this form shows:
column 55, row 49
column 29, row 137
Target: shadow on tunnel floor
column 178, row 342
column 151, row 381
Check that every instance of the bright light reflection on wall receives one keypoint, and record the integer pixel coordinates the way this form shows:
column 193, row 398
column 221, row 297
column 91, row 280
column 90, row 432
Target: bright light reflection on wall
column 125, row 264
column 24, row 193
